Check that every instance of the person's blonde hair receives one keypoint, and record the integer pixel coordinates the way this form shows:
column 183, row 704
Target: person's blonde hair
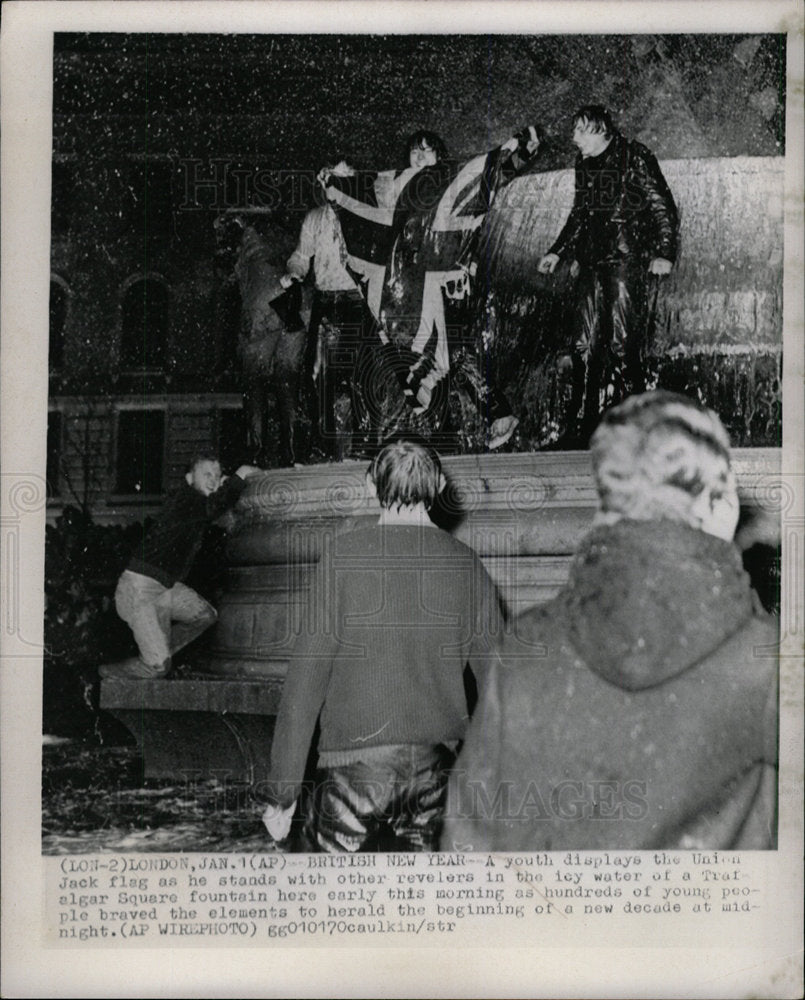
column 654, row 454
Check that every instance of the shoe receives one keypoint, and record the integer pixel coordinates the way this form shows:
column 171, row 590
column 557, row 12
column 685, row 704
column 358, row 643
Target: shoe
column 501, row 430
column 133, row 668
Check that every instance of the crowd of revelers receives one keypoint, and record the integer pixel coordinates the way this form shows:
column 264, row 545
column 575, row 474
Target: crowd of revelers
column 398, row 262
column 638, row 708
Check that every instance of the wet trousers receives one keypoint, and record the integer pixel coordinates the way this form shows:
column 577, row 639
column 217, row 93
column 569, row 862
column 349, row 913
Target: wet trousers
column 339, row 325
column 393, row 800
column 610, row 337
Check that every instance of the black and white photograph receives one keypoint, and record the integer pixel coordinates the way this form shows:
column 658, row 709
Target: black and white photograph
column 417, row 471
column 238, row 291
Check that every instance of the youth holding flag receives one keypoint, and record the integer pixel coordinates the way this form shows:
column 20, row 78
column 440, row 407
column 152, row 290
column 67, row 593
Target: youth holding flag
column 411, row 237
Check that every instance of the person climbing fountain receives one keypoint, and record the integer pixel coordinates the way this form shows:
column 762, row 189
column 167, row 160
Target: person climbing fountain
column 150, row 595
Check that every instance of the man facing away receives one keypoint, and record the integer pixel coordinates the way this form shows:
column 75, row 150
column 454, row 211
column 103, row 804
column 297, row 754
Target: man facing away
column 396, row 613
column 164, row 614
column 621, row 231
column 638, row 709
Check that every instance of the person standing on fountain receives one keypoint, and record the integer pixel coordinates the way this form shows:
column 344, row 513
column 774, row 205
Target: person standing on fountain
column 396, row 613
column 339, row 322
column 150, row 595
column 621, row 235
column 413, row 235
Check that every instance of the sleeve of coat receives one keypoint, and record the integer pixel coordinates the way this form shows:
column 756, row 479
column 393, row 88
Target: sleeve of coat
column 223, row 498
column 660, row 205
column 303, row 695
column 298, row 263
column 566, row 241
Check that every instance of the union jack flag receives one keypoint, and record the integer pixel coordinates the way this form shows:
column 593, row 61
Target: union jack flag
column 411, row 237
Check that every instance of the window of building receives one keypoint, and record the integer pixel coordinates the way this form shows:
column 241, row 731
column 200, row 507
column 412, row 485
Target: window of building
column 58, row 315
column 144, row 325
column 139, row 463
column 52, row 472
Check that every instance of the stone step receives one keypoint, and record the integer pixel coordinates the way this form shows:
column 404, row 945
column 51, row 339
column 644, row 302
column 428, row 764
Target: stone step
column 198, row 727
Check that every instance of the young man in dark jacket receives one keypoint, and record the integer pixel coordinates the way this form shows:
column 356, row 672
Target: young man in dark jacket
column 638, row 709
column 150, row 595
column 621, row 234
column 396, row 613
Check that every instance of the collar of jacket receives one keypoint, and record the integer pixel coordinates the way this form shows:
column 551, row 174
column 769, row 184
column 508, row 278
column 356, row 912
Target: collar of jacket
column 646, row 600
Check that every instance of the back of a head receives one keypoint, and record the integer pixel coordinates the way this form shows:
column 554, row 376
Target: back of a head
column 406, row 472
column 662, row 455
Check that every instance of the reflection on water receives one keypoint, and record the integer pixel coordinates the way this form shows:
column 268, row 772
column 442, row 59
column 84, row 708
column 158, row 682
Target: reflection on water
column 95, row 799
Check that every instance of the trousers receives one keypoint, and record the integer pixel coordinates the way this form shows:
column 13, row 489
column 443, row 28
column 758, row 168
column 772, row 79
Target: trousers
column 392, row 800
column 163, row 620
column 610, row 337
column 339, row 325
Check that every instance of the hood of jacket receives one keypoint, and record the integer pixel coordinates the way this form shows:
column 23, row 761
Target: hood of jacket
column 647, row 600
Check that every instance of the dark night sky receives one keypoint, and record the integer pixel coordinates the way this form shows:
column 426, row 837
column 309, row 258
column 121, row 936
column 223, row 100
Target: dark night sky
column 300, row 100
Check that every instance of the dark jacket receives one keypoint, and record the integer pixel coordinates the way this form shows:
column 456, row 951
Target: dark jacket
column 168, row 549
column 637, row 710
column 623, row 209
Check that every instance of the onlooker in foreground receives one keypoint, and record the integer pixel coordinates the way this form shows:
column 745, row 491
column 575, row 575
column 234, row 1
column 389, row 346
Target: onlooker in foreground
column 638, row 709
column 150, row 595
column 621, row 231
column 396, row 613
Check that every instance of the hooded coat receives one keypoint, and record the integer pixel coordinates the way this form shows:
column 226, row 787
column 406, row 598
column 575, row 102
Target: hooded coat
column 637, row 710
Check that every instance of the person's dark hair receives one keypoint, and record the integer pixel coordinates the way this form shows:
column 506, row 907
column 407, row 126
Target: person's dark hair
column 524, row 137
column 423, row 137
column 406, row 471
column 199, row 457
column 596, row 118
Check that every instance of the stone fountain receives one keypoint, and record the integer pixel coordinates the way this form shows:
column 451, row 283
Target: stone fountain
column 524, row 514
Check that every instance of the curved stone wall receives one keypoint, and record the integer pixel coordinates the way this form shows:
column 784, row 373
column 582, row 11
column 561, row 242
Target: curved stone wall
column 523, row 514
